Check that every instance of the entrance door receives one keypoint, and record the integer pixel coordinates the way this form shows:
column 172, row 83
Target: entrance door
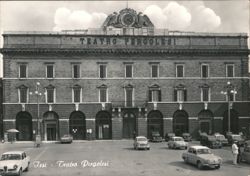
column 104, row 131
column 129, row 126
column 103, row 125
column 205, row 127
column 51, row 132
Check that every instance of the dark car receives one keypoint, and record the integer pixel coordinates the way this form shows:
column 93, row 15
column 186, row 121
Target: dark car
column 187, row 137
column 67, row 138
column 156, row 137
column 210, row 141
column 235, row 138
column 168, row 136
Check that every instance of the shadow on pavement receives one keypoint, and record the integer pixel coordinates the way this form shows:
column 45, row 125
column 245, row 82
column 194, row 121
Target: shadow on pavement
column 184, row 165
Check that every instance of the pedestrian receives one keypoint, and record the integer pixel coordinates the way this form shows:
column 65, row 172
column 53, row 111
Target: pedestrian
column 235, row 152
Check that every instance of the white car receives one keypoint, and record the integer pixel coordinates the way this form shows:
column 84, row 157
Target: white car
column 141, row 142
column 201, row 156
column 177, row 142
column 14, row 163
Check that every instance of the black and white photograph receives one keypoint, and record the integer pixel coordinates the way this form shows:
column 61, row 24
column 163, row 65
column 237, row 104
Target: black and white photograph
column 125, row 88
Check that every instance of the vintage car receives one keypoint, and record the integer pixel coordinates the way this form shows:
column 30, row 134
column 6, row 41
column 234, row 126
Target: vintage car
column 235, row 137
column 141, row 142
column 177, row 142
column 245, row 155
column 156, row 137
column 187, row 137
column 210, row 141
column 168, row 136
column 14, row 163
column 201, row 156
column 221, row 138
column 67, row 138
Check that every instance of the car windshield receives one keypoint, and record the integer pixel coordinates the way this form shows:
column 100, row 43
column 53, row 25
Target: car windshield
column 236, row 137
column 66, row 135
column 178, row 139
column 155, row 134
column 220, row 137
column 211, row 138
column 203, row 151
column 11, row 157
column 141, row 139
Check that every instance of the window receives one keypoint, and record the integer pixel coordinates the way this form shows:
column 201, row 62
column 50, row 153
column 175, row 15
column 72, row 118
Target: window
column 204, row 71
column 50, row 92
column 179, row 70
column 129, row 96
column 76, row 71
column 205, row 94
column 77, row 94
column 103, row 97
column 103, row 71
column 154, row 71
column 230, row 70
column 23, row 94
column 50, row 71
column 23, row 71
column 154, row 93
column 180, row 93
column 128, row 71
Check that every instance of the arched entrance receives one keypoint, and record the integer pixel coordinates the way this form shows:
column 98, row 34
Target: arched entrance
column 205, row 121
column 50, row 124
column 234, row 121
column 129, row 125
column 77, row 125
column 103, row 125
column 155, row 123
column 24, row 126
column 180, row 122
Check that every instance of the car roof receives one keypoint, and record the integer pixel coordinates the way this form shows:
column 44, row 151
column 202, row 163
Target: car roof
column 13, row 152
column 141, row 137
column 198, row 147
column 177, row 137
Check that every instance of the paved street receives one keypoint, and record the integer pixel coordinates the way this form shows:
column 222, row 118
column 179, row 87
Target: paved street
column 112, row 158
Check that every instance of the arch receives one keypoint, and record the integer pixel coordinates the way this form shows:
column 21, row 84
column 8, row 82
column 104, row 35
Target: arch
column 103, row 125
column 205, row 118
column 24, row 126
column 51, row 126
column 129, row 125
column 180, row 122
column 77, row 125
column 155, row 123
column 234, row 121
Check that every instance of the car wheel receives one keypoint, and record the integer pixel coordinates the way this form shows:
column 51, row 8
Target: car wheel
column 186, row 148
column 20, row 172
column 218, row 167
column 185, row 160
column 27, row 168
column 148, row 148
column 199, row 165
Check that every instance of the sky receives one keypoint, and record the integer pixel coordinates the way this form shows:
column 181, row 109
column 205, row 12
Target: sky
column 222, row 16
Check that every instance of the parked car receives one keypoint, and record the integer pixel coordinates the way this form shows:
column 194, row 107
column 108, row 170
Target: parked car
column 235, row 137
column 177, row 142
column 67, row 138
column 210, row 141
column 245, row 155
column 221, row 138
column 141, row 142
column 168, row 136
column 14, row 163
column 156, row 137
column 187, row 137
column 201, row 156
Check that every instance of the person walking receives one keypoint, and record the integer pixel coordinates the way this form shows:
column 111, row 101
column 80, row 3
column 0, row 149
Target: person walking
column 235, row 152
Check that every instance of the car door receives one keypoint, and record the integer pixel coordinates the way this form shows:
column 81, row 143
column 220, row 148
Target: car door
column 24, row 161
column 190, row 155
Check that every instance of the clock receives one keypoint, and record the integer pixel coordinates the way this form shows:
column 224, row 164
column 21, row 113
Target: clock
column 128, row 19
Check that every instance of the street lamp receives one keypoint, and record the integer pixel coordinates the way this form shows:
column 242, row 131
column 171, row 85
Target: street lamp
column 230, row 90
column 38, row 131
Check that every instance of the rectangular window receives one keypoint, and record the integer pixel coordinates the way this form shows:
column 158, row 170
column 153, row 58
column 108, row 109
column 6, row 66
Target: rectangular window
column 50, row 71
column 129, row 71
column 103, row 71
column 205, row 96
column 23, row 95
column 76, row 71
column 155, row 71
column 179, row 71
column 23, row 71
column 50, row 95
column 230, row 70
column 156, row 95
column 77, row 95
column 103, row 95
column 180, row 95
column 204, row 71
column 129, row 97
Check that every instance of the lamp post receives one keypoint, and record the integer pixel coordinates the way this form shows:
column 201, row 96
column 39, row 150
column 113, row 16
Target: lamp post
column 230, row 90
column 38, row 131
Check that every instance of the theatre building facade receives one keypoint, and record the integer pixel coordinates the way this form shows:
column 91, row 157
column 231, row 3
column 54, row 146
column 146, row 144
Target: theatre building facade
column 126, row 78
